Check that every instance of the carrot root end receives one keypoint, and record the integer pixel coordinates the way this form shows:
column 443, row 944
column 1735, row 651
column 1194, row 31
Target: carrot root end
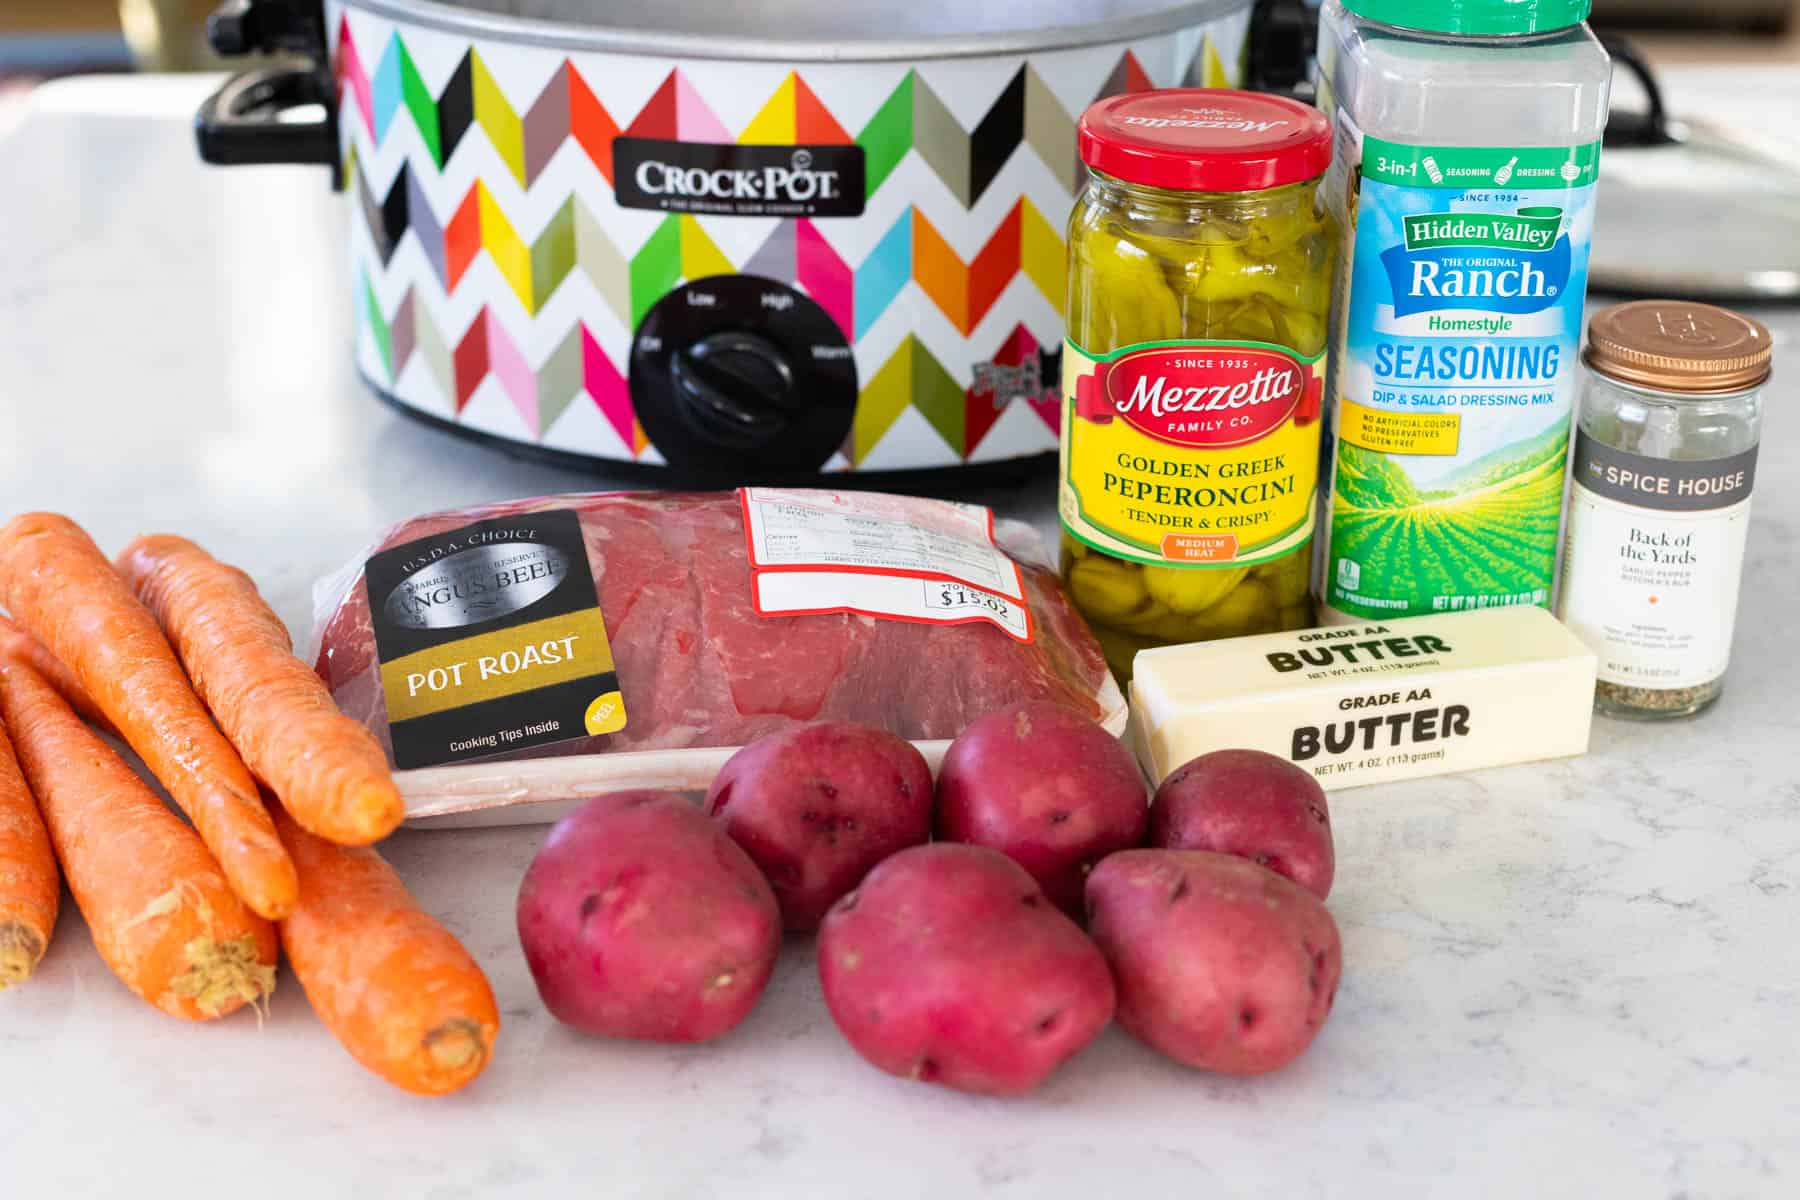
column 458, row 1045
column 20, row 950
column 224, row 976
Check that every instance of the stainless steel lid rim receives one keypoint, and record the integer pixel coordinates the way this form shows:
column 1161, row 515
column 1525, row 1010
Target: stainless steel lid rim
column 565, row 35
column 513, row 306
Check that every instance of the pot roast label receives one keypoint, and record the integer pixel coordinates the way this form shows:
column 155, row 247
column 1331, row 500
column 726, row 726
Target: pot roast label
column 898, row 558
column 738, row 181
column 491, row 641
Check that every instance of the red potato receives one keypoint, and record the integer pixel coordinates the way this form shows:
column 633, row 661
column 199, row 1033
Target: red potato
column 817, row 806
column 1220, row 964
column 949, row 965
column 1048, row 788
column 1251, row 804
column 641, row 919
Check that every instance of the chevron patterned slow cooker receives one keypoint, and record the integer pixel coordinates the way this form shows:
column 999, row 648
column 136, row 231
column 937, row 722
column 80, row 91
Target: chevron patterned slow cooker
column 827, row 236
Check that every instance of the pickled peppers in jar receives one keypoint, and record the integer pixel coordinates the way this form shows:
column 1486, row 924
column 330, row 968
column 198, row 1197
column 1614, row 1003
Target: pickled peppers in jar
column 1200, row 269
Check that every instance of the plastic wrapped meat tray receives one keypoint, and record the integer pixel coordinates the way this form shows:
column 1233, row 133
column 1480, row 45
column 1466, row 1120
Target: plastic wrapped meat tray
column 702, row 671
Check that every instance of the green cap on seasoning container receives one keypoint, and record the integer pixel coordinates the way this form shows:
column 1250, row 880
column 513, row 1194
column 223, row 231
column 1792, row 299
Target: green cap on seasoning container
column 1475, row 18
column 1205, row 140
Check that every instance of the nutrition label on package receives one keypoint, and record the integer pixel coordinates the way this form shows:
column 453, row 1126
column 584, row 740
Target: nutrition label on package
column 898, row 557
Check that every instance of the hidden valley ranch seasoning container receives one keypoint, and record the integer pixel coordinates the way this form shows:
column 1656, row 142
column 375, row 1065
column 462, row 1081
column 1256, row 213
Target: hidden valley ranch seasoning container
column 1200, row 271
column 1665, row 459
column 1467, row 157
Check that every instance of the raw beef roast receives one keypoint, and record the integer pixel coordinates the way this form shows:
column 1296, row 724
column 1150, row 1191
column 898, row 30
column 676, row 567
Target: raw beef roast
column 699, row 667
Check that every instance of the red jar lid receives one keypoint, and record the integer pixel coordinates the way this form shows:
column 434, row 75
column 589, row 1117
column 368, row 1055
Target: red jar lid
column 1205, row 140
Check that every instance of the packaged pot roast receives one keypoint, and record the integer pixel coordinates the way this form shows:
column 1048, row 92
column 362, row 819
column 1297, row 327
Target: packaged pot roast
column 516, row 657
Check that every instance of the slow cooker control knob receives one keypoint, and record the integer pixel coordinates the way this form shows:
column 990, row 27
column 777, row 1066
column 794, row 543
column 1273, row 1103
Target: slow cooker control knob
column 741, row 379
column 734, row 389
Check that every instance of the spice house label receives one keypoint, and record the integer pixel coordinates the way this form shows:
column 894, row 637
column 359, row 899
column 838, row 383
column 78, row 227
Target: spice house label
column 1655, row 550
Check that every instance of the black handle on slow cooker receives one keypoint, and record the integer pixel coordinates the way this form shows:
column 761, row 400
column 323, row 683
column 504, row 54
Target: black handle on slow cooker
column 244, row 121
column 241, row 122
column 265, row 26
column 1283, row 38
column 1648, row 128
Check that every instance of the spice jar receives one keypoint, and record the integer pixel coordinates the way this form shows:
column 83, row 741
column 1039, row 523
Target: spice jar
column 1665, row 460
column 1200, row 269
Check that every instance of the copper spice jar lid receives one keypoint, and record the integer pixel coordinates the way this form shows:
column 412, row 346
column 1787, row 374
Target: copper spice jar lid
column 1678, row 346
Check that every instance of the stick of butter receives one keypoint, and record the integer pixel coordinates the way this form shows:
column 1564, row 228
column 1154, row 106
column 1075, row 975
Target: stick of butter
column 1374, row 701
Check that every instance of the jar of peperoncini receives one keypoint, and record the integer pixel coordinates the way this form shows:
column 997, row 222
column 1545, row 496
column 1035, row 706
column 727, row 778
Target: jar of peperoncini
column 1200, row 273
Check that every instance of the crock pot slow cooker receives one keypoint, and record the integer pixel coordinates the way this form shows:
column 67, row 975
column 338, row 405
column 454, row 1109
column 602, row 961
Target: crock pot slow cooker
column 766, row 239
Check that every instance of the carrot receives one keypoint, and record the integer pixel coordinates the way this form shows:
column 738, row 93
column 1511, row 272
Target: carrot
column 20, row 644
column 59, row 586
column 395, row 987
column 30, row 889
column 160, row 910
column 330, row 772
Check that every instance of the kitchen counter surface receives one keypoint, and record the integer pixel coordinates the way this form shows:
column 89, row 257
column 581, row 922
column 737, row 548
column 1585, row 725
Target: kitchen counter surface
column 1571, row 979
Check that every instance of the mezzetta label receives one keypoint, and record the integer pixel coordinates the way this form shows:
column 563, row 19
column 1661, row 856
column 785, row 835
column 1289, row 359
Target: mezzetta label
column 490, row 640
column 1202, row 398
column 1191, row 453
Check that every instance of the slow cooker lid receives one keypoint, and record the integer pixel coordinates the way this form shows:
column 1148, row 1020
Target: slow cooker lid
column 810, row 30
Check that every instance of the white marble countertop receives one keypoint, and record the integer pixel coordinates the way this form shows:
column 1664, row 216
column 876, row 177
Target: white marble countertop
column 1574, row 979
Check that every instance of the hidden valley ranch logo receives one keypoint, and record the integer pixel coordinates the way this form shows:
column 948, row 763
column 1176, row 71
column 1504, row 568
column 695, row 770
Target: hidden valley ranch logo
column 1490, row 262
